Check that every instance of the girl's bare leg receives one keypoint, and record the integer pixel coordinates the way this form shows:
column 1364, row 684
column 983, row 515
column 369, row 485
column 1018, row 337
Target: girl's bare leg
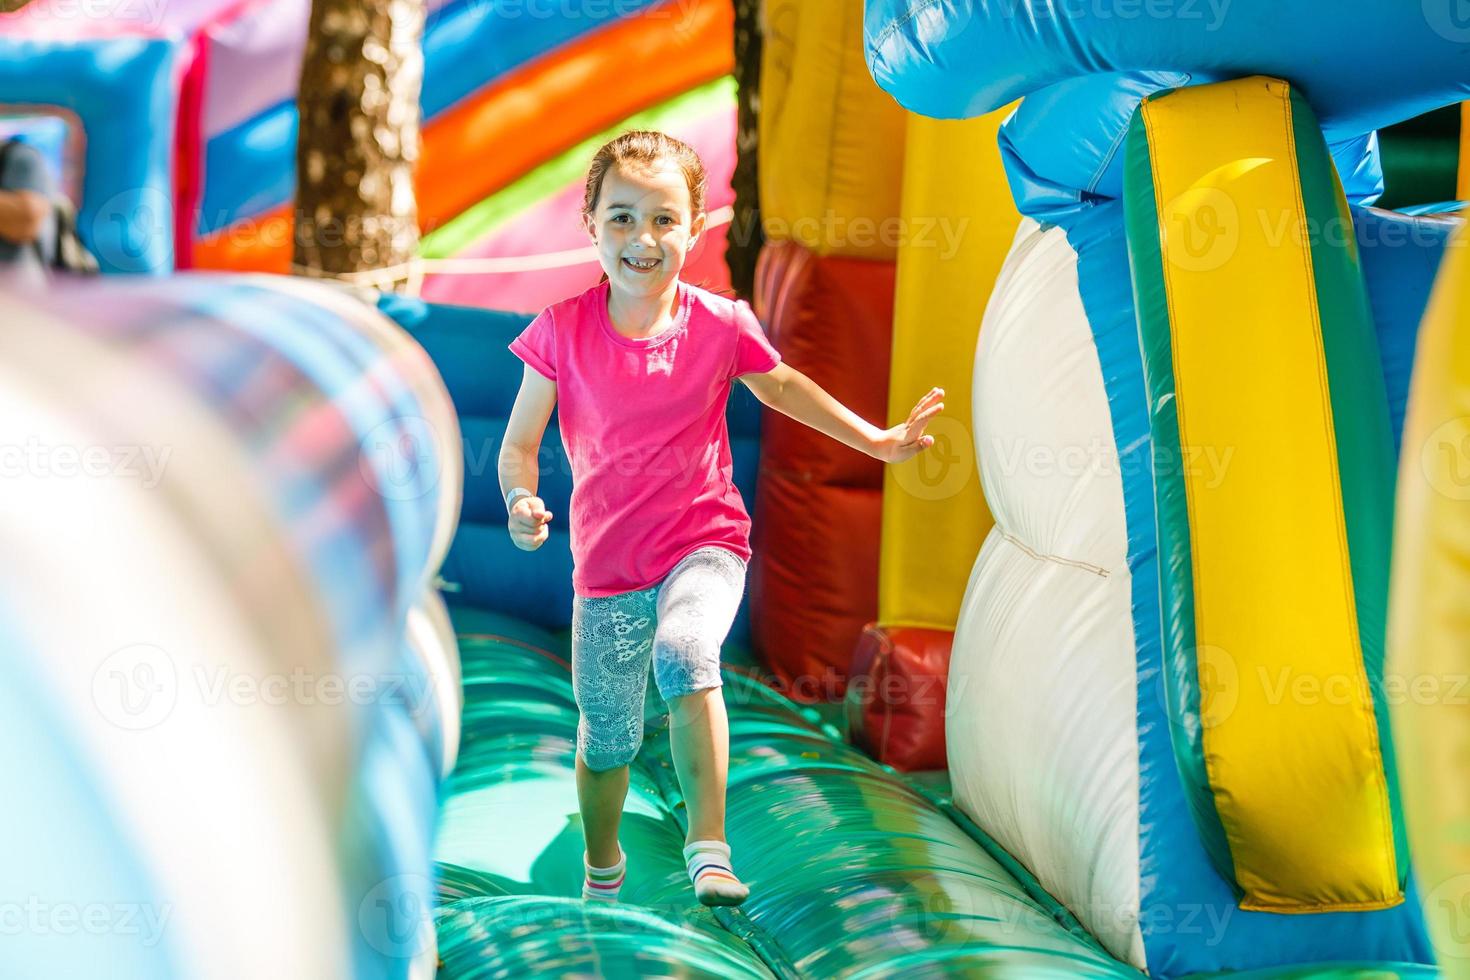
column 699, row 737
column 600, row 796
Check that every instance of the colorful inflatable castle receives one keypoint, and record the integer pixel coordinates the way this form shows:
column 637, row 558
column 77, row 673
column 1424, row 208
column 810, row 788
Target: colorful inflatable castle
column 1167, row 693
column 180, row 122
column 1128, row 682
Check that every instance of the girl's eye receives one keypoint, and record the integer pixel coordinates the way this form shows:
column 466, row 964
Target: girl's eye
column 621, row 219
column 664, row 219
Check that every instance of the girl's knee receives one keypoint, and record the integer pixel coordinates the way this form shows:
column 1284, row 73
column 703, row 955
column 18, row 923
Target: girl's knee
column 686, row 669
column 604, row 754
column 683, row 704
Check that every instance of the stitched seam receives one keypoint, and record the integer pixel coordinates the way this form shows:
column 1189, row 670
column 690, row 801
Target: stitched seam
column 1121, row 137
column 1107, row 159
column 894, row 26
column 1097, row 570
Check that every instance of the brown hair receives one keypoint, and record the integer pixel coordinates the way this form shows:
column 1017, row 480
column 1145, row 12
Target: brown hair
column 646, row 148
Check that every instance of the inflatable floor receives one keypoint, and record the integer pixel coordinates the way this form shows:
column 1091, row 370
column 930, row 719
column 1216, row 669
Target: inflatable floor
column 855, row 871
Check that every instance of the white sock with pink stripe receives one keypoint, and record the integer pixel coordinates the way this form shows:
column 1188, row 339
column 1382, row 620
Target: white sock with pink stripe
column 603, row 884
column 714, row 879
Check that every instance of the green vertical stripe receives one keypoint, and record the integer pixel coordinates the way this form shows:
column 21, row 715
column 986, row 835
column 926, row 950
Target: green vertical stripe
column 1176, row 557
column 1359, row 399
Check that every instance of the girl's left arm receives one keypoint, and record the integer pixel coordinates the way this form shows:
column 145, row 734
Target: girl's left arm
column 792, row 393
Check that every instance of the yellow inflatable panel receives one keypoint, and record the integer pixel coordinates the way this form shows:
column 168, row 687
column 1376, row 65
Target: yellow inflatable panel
column 1297, row 778
column 831, row 141
column 960, row 218
column 1429, row 612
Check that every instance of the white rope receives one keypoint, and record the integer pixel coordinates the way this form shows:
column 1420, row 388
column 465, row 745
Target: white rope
column 416, row 268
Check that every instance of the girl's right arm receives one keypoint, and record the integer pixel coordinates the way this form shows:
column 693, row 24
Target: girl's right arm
column 518, row 465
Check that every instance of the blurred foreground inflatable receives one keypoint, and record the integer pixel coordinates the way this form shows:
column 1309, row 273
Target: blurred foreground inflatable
column 237, row 692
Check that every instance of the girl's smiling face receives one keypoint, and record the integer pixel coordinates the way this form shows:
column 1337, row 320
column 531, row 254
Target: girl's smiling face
column 643, row 226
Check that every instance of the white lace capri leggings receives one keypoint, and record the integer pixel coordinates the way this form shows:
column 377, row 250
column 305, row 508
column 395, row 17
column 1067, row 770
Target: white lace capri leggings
column 681, row 622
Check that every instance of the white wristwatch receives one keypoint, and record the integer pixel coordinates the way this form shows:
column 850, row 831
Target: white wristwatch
column 515, row 494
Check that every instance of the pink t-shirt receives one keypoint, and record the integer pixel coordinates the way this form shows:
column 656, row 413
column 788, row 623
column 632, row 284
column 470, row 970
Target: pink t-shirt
column 643, row 423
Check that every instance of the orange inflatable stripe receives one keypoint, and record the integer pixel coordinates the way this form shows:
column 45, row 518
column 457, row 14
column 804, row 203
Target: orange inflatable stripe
column 484, row 143
column 1462, row 182
column 259, row 244
column 481, row 145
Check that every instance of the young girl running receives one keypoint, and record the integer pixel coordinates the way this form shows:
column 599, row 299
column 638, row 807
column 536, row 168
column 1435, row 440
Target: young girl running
column 642, row 364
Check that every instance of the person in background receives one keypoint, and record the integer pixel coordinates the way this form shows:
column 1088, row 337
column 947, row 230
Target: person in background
column 27, row 216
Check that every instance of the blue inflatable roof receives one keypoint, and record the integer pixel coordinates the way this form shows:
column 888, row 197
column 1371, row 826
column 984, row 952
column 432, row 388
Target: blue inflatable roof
column 1362, row 64
column 1062, row 146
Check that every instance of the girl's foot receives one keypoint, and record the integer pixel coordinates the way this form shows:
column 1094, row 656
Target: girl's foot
column 709, row 868
column 603, row 884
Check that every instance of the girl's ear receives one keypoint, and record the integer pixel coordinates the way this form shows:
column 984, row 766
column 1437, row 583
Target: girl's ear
column 696, row 227
column 590, row 226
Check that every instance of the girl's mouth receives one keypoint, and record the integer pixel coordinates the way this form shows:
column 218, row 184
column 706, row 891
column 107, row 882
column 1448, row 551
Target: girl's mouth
column 641, row 265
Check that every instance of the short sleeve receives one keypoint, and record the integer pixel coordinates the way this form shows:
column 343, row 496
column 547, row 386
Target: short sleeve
column 753, row 352
column 536, row 345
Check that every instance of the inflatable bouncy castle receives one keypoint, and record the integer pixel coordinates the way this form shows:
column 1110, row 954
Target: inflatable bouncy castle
column 1167, row 692
column 180, row 123
column 1154, row 665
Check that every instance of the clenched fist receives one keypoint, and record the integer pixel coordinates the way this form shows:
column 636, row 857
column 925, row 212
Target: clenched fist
column 528, row 523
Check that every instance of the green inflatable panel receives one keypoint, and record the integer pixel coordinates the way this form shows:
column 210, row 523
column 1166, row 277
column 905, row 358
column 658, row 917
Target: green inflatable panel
column 526, row 936
column 853, row 871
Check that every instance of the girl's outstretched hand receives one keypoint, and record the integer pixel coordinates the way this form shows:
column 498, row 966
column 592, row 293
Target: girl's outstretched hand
column 528, row 523
column 907, row 439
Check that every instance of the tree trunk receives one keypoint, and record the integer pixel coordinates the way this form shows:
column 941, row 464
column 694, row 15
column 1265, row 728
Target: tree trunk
column 745, row 238
column 359, row 140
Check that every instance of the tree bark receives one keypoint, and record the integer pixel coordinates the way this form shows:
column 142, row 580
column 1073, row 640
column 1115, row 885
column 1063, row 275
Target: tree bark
column 359, row 140
column 745, row 239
